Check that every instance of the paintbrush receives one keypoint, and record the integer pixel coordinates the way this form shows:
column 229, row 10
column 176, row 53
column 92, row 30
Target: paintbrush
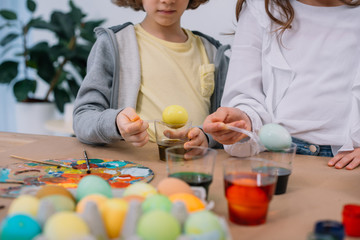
column 42, row 162
column 88, row 171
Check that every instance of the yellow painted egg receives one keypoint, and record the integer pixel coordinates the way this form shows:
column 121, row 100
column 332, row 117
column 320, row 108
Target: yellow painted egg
column 170, row 185
column 65, row 225
column 141, row 189
column 191, row 202
column 175, row 115
column 114, row 212
column 25, row 204
column 48, row 190
column 98, row 199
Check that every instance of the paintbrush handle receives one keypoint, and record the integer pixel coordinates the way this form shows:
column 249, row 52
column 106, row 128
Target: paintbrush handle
column 39, row 161
column 13, row 181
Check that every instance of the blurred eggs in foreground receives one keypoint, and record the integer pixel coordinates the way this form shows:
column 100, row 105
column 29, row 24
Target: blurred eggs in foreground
column 141, row 189
column 92, row 184
column 170, row 185
column 65, row 225
column 159, row 225
column 19, row 226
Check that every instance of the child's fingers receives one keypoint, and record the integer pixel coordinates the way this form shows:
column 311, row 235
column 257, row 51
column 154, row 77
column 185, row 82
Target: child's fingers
column 138, row 140
column 175, row 134
column 194, row 132
column 131, row 114
column 348, row 159
column 354, row 163
column 336, row 158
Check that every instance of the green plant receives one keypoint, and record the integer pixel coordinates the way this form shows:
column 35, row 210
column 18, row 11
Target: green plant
column 60, row 65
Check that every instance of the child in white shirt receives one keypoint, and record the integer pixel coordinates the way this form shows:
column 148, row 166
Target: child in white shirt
column 296, row 64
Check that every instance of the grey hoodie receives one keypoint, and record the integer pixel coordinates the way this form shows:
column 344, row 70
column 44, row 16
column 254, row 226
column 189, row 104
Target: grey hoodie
column 113, row 81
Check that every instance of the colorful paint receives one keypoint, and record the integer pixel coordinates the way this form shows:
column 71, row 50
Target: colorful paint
column 118, row 173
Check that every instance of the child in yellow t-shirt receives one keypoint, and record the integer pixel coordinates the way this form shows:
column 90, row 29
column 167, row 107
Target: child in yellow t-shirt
column 135, row 71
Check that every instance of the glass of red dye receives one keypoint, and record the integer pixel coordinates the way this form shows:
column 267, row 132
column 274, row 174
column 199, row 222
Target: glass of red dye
column 249, row 187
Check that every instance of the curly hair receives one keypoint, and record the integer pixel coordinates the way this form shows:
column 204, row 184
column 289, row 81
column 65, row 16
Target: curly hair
column 137, row 4
column 286, row 11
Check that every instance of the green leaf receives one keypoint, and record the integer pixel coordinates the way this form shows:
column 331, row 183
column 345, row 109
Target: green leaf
column 22, row 89
column 40, row 55
column 76, row 14
column 8, row 71
column 66, row 25
column 31, row 5
column 61, row 97
column 8, row 39
column 8, row 15
column 36, row 23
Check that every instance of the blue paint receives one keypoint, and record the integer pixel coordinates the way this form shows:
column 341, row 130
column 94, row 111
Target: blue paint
column 4, row 174
column 56, row 173
column 113, row 164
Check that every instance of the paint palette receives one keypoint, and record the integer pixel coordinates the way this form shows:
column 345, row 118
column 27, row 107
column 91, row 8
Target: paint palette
column 118, row 173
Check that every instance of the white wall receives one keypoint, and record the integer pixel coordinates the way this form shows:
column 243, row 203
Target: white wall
column 213, row 18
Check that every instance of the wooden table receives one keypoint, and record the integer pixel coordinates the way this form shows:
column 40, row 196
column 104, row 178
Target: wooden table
column 315, row 191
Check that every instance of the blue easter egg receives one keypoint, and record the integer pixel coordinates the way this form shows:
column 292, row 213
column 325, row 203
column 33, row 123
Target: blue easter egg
column 275, row 137
column 19, row 227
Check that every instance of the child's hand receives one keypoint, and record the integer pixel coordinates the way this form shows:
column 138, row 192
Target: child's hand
column 132, row 128
column 214, row 124
column 350, row 159
column 196, row 138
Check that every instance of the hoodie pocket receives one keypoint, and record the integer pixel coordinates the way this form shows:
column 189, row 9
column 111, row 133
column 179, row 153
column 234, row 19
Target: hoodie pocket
column 207, row 82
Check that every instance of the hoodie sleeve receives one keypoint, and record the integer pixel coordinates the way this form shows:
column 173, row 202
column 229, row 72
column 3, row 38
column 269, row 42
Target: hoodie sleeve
column 94, row 120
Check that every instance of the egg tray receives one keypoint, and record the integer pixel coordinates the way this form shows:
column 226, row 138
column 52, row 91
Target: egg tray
column 93, row 219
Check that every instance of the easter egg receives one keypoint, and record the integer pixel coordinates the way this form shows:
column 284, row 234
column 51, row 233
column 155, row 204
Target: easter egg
column 26, row 204
column 60, row 202
column 156, row 202
column 98, row 199
column 19, row 226
column 141, row 189
column 275, row 137
column 48, row 190
column 159, row 225
column 191, row 202
column 170, row 185
column 65, row 225
column 204, row 223
column 175, row 115
column 114, row 212
column 93, row 184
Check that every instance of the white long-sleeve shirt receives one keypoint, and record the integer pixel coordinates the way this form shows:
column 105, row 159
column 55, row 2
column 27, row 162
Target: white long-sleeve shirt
column 309, row 83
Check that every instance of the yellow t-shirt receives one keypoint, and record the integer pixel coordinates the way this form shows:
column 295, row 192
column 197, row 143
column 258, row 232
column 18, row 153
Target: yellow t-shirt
column 173, row 73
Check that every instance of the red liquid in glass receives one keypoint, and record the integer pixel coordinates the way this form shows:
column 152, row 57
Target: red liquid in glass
column 248, row 197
